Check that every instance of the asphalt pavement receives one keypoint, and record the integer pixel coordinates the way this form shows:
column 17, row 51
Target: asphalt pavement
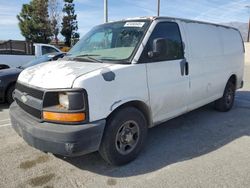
column 203, row 148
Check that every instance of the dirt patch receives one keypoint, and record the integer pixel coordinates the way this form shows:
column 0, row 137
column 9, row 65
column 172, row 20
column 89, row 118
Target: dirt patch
column 111, row 181
column 41, row 180
column 32, row 163
column 48, row 186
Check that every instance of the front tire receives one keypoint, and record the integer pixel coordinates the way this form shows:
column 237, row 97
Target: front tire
column 124, row 136
column 225, row 103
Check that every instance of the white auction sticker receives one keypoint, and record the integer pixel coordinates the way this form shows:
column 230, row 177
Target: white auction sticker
column 134, row 24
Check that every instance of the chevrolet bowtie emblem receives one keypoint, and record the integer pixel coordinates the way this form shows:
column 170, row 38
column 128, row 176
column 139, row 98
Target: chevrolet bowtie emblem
column 24, row 98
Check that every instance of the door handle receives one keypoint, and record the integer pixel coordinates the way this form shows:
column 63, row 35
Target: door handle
column 186, row 68
column 182, row 66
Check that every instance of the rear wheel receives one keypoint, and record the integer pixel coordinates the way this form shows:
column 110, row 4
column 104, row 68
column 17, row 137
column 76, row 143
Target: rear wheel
column 124, row 136
column 225, row 103
column 9, row 94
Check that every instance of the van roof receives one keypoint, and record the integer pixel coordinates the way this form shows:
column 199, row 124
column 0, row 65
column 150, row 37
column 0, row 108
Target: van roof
column 175, row 18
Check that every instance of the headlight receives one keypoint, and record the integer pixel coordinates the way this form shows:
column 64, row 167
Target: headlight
column 68, row 106
column 64, row 100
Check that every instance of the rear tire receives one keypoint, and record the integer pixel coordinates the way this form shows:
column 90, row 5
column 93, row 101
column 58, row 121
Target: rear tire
column 124, row 136
column 225, row 103
column 9, row 94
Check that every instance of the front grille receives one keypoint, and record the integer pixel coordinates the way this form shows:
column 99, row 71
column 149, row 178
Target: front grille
column 31, row 91
column 29, row 106
column 32, row 111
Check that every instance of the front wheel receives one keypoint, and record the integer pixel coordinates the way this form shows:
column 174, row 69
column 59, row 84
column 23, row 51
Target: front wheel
column 225, row 103
column 124, row 136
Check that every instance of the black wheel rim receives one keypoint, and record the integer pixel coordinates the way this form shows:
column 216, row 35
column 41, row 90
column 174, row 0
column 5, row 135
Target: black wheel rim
column 127, row 137
column 229, row 96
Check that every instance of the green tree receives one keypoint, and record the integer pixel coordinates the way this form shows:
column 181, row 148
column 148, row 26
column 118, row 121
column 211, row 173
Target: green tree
column 34, row 21
column 69, row 23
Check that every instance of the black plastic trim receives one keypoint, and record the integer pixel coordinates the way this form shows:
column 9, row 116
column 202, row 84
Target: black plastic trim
column 30, row 110
column 37, row 93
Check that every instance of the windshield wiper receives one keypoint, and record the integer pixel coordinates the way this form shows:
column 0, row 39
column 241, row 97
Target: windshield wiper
column 88, row 57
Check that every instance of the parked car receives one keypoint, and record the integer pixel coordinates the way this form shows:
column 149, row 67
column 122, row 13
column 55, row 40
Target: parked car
column 17, row 53
column 122, row 78
column 8, row 76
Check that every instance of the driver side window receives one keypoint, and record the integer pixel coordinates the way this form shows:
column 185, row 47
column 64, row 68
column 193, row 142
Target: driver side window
column 171, row 33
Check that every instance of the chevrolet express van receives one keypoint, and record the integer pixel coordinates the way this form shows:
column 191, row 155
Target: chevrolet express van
column 122, row 78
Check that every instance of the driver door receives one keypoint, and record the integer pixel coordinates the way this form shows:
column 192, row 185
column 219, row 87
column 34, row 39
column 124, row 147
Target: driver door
column 168, row 77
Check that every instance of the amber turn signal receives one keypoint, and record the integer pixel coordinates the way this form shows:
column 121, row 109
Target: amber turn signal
column 64, row 117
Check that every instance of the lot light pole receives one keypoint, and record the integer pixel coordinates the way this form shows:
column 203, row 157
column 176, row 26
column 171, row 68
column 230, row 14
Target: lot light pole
column 105, row 11
column 248, row 34
column 158, row 7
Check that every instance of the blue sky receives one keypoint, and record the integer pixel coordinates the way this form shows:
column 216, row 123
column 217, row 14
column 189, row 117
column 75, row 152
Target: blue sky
column 90, row 12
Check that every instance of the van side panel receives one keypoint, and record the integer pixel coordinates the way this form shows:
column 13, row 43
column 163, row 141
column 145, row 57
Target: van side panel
column 213, row 58
column 233, row 49
column 204, row 49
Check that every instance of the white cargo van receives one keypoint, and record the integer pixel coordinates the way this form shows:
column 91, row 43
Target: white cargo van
column 122, row 78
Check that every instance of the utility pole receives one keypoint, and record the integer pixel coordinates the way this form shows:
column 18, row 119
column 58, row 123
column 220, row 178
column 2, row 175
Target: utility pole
column 248, row 35
column 159, row 7
column 105, row 11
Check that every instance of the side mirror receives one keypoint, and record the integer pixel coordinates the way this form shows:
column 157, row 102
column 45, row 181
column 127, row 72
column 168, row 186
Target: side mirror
column 159, row 48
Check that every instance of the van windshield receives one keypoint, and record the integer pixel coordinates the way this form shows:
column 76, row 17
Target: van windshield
column 110, row 42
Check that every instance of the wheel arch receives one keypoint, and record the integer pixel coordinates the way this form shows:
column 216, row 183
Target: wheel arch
column 233, row 78
column 140, row 105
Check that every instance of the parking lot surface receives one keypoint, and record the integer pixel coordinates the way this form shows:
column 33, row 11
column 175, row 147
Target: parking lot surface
column 203, row 148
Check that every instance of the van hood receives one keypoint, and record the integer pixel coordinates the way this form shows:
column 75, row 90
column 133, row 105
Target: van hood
column 57, row 74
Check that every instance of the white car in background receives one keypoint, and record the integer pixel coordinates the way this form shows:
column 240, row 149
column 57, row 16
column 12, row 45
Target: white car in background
column 17, row 53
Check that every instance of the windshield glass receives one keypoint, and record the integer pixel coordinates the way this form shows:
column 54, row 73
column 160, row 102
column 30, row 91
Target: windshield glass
column 111, row 42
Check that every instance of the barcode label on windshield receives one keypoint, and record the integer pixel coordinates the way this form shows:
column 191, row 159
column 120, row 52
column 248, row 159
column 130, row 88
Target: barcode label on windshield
column 134, row 24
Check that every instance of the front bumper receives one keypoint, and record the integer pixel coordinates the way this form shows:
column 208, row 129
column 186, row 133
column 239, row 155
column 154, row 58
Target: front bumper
column 66, row 140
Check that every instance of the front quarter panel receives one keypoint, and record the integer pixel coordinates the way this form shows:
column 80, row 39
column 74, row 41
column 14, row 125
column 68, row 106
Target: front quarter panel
column 108, row 88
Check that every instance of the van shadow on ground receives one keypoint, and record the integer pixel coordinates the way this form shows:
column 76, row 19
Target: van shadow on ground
column 183, row 138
